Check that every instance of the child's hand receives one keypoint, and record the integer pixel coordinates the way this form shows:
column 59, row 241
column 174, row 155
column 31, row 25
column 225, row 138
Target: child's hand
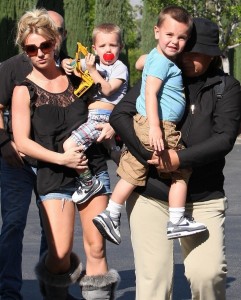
column 90, row 62
column 107, row 132
column 155, row 139
column 68, row 65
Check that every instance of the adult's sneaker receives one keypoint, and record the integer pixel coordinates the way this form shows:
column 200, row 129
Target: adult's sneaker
column 109, row 230
column 86, row 190
column 185, row 226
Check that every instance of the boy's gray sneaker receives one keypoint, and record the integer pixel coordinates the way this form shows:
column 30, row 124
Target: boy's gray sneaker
column 107, row 227
column 86, row 190
column 185, row 226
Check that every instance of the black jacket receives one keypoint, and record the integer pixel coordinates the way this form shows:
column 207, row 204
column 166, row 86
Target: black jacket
column 209, row 129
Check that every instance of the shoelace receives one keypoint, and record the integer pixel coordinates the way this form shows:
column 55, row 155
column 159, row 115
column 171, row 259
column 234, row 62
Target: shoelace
column 81, row 188
column 189, row 218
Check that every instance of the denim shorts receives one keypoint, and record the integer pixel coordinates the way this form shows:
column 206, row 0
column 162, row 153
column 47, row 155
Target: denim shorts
column 65, row 193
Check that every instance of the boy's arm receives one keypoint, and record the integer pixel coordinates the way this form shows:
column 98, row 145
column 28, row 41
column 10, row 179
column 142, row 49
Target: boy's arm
column 153, row 86
column 107, row 87
column 140, row 62
column 66, row 65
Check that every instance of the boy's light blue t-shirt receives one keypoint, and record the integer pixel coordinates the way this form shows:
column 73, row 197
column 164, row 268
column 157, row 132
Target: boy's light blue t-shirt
column 171, row 95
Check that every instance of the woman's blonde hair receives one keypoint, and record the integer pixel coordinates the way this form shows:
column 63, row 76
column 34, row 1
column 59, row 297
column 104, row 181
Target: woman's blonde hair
column 36, row 21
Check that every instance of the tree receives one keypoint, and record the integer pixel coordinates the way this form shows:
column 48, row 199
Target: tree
column 148, row 21
column 227, row 15
column 10, row 11
column 78, row 23
column 77, row 20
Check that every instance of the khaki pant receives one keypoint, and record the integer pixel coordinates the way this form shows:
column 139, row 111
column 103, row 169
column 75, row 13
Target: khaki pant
column 131, row 170
column 203, row 253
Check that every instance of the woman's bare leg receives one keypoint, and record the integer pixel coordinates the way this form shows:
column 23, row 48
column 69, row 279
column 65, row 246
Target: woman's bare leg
column 94, row 243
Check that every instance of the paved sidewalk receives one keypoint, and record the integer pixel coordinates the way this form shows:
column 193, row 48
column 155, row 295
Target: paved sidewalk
column 121, row 257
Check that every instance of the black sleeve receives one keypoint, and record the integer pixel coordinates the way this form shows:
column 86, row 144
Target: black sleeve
column 121, row 119
column 6, row 83
column 63, row 55
column 226, row 122
column 12, row 72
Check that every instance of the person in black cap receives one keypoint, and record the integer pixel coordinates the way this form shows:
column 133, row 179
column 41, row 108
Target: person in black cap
column 209, row 129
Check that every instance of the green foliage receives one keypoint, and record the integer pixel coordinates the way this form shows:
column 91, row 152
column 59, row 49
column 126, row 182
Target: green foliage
column 78, row 25
column 133, row 55
column 10, row 11
column 237, row 60
column 147, row 34
column 120, row 13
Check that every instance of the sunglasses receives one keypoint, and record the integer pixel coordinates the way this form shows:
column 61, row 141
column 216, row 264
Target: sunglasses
column 32, row 50
column 60, row 30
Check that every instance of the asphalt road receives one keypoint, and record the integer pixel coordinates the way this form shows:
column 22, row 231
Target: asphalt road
column 121, row 257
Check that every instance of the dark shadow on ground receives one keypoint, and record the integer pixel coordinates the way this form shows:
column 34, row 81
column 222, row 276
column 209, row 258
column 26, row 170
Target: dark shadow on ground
column 181, row 289
column 230, row 280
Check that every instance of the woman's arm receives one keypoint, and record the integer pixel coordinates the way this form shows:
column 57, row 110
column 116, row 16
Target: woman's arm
column 121, row 119
column 21, row 123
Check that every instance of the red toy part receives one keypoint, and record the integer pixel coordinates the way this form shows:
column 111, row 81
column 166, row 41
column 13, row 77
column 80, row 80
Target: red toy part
column 108, row 56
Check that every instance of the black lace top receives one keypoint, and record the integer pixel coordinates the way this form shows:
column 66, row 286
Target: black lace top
column 53, row 117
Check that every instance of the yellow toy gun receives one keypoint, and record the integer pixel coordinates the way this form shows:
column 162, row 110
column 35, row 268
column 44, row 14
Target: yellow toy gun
column 86, row 79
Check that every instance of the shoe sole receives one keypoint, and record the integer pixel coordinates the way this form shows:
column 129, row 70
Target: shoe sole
column 104, row 230
column 176, row 235
column 89, row 197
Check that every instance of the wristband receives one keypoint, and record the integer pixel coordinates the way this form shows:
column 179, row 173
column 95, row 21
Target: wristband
column 5, row 142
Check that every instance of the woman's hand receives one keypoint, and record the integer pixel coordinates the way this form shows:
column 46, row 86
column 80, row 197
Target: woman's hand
column 167, row 161
column 75, row 158
column 107, row 132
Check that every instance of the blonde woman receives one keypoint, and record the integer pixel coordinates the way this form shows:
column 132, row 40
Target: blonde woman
column 45, row 110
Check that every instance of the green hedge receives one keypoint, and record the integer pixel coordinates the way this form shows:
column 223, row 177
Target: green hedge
column 237, row 63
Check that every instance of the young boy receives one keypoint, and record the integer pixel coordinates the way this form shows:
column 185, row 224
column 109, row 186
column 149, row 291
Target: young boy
column 160, row 106
column 112, row 75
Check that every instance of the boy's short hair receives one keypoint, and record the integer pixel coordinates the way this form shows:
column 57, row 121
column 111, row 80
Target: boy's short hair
column 177, row 13
column 107, row 28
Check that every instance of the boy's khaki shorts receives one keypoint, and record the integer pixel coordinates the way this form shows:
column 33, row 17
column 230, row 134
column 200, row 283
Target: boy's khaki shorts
column 131, row 170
